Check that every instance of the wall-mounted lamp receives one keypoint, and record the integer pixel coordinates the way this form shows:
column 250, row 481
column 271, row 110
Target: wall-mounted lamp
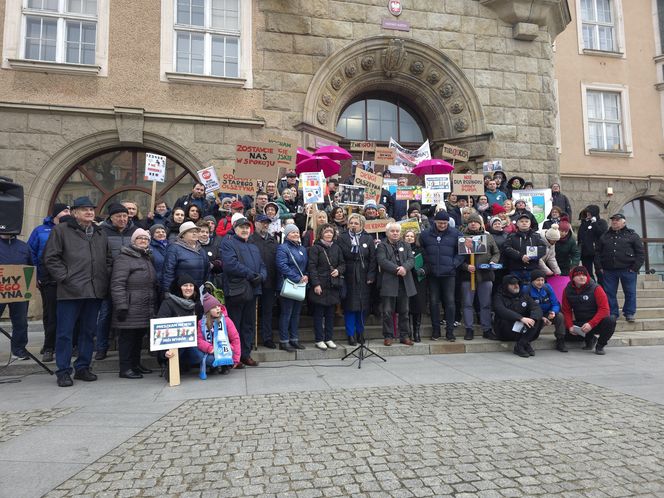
column 609, row 193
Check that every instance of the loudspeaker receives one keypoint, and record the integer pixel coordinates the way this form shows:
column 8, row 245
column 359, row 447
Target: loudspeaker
column 11, row 207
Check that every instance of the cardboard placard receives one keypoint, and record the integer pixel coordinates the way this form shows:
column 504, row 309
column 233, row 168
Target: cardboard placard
column 173, row 332
column 362, row 146
column 438, row 182
column 376, row 226
column 468, row 184
column 287, row 150
column 351, row 195
column 373, row 184
column 454, row 152
column 538, row 201
column 209, row 179
column 17, row 283
column 257, row 160
column 313, row 187
column 232, row 184
column 384, row 156
column 155, row 168
column 475, row 244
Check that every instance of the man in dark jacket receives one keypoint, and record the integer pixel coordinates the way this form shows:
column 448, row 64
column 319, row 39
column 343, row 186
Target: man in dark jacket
column 520, row 209
column 267, row 246
column 523, row 249
column 78, row 258
column 47, row 289
column 197, row 197
column 441, row 260
column 118, row 229
column 16, row 252
column 395, row 260
column 517, row 316
column 559, row 199
column 619, row 256
column 244, row 272
column 591, row 229
column 586, row 311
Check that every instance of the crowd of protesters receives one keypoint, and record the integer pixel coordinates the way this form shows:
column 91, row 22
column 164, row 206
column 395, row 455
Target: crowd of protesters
column 102, row 278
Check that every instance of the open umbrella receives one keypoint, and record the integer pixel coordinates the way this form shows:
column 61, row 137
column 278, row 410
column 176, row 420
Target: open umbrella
column 318, row 163
column 302, row 154
column 432, row 167
column 334, row 152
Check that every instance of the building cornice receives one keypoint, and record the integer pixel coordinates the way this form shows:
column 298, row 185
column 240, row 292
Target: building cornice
column 524, row 15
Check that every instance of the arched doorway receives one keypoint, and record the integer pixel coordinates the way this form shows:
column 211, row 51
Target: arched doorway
column 116, row 175
column 646, row 217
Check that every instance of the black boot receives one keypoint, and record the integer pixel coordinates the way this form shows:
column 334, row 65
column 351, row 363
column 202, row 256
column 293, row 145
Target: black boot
column 351, row 340
column 470, row 334
column 417, row 325
column 560, row 345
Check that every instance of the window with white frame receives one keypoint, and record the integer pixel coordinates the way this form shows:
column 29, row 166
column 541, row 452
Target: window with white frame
column 60, row 31
column 606, row 119
column 208, row 37
column 600, row 26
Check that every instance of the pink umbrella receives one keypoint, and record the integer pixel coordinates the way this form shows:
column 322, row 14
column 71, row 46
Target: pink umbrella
column 318, row 163
column 334, row 152
column 432, row 167
column 302, row 154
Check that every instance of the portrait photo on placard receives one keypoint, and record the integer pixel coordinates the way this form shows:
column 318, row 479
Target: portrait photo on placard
column 351, row 195
column 475, row 244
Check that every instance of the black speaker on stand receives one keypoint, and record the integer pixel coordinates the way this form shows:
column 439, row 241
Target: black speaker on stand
column 11, row 207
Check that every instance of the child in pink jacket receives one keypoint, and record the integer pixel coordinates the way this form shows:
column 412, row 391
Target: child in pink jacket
column 214, row 311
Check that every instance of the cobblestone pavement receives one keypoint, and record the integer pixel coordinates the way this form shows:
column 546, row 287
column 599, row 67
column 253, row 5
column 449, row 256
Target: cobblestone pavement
column 13, row 424
column 509, row 438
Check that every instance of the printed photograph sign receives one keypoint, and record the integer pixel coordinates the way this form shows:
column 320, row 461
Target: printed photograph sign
column 475, row 244
column 372, row 183
column 173, row 332
column 351, row 195
column 491, row 166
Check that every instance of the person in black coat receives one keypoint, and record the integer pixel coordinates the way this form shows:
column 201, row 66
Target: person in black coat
column 267, row 247
column 359, row 252
column 523, row 249
column 591, row 229
column 395, row 281
column 326, row 269
column 559, row 199
column 517, row 316
column 417, row 304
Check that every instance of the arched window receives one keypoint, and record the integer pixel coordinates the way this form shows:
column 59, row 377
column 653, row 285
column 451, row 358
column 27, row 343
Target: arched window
column 376, row 119
column 117, row 175
column 646, row 217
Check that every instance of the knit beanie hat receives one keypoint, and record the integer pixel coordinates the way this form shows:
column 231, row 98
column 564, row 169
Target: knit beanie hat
column 116, row 208
column 139, row 232
column 156, row 227
column 552, row 233
column 288, row 229
column 58, row 208
column 497, row 208
column 535, row 274
column 209, row 302
column 494, row 220
column 476, row 218
column 579, row 270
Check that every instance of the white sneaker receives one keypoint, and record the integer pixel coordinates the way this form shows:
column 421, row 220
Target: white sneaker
column 321, row 345
column 331, row 345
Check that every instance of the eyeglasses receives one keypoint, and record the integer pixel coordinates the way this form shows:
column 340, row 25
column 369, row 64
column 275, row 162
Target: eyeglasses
column 142, row 237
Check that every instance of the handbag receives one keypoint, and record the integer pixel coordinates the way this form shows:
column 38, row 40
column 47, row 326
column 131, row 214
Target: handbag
column 293, row 290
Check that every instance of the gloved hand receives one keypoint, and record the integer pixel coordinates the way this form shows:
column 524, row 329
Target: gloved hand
column 121, row 315
column 256, row 280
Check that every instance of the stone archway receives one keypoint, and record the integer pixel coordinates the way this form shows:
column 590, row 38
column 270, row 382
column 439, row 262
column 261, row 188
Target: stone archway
column 437, row 87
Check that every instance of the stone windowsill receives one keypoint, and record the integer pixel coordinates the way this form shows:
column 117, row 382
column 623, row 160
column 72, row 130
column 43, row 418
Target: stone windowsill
column 610, row 153
column 603, row 53
column 658, row 58
column 659, row 86
column 54, row 67
column 198, row 79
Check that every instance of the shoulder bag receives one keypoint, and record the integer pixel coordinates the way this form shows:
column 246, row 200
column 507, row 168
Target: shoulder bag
column 293, row 290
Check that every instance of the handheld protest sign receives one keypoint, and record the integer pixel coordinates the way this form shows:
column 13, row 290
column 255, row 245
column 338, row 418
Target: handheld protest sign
column 17, row 283
column 351, row 195
column 467, row 184
column 171, row 334
column 472, row 244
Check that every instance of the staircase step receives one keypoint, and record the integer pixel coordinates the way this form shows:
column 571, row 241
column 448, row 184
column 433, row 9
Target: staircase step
column 644, row 293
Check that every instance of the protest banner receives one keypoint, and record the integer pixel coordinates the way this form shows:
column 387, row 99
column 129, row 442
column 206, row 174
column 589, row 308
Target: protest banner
column 409, row 193
column 232, row 184
column 538, row 201
column 454, row 152
column 373, row 184
column 17, row 283
column 376, row 226
column 491, row 166
column 410, row 224
column 287, row 151
column 468, row 184
column 313, row 186
column 171, row 334
column 362, row 146
column 209, row 179
column 351, row 195
column 433, row 196
column 438, row 182
column 155, row 168
column 384, row 156
column 257, row 160
column 406, row 159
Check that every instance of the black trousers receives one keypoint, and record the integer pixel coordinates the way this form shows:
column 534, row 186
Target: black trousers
column 399, row 305
column 266, row 308
column 49, row 295
column 243, row 314
column 505, row 333
column 129, row 347
column 604, row 330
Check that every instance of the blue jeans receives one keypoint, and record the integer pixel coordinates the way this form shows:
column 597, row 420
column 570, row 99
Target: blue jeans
column 196, row 357
column 441, row 289
column 70, row 311
column 18, row 313
column 627, row 280
column 104, row 324
column 289, row 320
column 323, row 322
column 354, row 321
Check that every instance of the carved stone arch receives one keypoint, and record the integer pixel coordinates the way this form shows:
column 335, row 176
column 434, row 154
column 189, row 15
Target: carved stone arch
column 438, row 89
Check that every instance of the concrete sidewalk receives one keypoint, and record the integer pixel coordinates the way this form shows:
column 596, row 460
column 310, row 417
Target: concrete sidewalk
column 61, row 431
